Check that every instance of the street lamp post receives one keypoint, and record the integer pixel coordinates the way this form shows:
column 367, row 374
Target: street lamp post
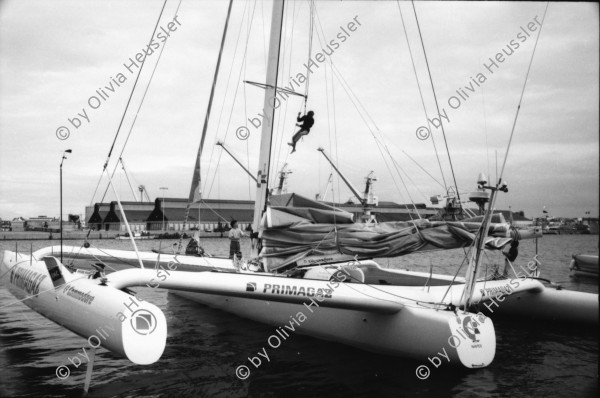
column 61, row 207
column 163, row 189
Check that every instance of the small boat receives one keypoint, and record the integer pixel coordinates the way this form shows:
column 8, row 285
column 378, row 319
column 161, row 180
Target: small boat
column 584, row 264
column 136, row 235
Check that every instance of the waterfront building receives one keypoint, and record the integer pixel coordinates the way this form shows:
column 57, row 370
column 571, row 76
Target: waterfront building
column 168, row 214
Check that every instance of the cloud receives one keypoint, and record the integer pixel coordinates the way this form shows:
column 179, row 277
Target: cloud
column 56, row 55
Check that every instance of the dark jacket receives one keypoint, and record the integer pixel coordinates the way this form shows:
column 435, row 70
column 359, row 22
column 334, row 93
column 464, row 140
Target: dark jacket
column 308, row 122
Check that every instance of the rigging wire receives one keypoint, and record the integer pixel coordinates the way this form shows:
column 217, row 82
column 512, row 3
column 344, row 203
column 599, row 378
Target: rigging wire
column 379, row 145
column 379, row 142
column 512, row 132
column 278, row 138
column 272, row 173
column 398, row 168
column 422, row 168
column 140, row 105
column 218, row 125
column 436, row 104
column 264, row 35
column 310, row 43
column 487, row 146
column 197, row 164
column 127, row 176
column 411, row 181
column 245, row 65
column 232, row 103
column 473, row 270
column 335, row 138
column 330, row 120
column 361, row 109
column 127, row 106
column 211, row 209
column 421, row 95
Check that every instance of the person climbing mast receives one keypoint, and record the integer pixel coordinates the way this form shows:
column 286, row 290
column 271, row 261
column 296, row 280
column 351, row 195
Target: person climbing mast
column 308, row 122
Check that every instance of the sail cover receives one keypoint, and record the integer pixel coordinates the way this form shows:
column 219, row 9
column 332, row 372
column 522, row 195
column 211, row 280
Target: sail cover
column 292, row 233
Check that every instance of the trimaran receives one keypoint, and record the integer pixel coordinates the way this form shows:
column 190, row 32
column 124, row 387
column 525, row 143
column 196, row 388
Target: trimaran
column 313, row 268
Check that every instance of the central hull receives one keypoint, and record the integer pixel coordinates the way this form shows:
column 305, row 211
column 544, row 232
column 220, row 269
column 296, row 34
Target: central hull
column 416, row 333
column 391, row 320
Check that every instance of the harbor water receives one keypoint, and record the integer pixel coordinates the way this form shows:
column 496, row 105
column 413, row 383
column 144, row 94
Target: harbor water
column 205, row 346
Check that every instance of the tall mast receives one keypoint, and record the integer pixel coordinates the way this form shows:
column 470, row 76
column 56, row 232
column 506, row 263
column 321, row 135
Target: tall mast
column 269, row 115
column 195, row 188
column 196, row 178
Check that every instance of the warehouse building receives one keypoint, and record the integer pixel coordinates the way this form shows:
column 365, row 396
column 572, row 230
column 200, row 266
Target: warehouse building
column 168, row 214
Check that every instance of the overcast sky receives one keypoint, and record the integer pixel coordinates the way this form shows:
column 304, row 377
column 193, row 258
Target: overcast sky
column 54, row 55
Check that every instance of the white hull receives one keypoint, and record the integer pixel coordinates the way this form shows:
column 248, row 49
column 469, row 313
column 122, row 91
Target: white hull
column 393, row 320
column 375, row 312
column 136, row 237
column 584, row 265
column 149, row 259
column 106, row 317
column 412, row 332
column 523, row 297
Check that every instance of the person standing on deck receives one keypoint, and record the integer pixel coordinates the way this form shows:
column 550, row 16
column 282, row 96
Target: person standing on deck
column 235, row 234
column 308, row 122
column 511, row 256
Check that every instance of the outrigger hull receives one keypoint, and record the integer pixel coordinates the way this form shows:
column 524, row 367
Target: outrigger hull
column 584, row 264
column 107, row 317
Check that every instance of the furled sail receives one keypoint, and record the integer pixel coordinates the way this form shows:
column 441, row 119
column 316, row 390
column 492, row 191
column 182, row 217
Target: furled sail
column 291, row 233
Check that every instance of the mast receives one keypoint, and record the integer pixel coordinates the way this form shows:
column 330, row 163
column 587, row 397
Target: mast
column 269, row 115
column 195, row 188
column 476, row 254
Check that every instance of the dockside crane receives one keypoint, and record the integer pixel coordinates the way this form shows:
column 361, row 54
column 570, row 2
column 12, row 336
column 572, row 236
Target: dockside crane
column 366, row 199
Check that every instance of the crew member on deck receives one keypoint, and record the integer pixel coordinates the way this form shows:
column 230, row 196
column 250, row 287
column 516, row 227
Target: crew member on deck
column 308, row 122
column 511, row 256
column 193, row 248
column 235, row 234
